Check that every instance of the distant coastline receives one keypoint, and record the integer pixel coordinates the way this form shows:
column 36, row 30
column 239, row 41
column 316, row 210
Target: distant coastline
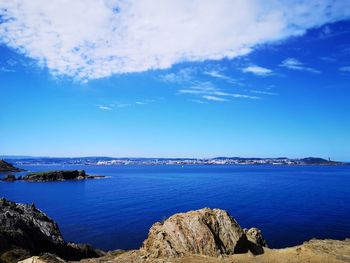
column 23, row 160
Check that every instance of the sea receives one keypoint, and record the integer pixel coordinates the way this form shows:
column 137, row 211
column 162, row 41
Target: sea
column 290, row 204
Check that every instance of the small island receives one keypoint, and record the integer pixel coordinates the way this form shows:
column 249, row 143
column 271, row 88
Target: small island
column 52, row 176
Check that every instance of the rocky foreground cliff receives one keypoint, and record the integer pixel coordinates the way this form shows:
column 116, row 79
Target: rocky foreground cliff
column 205, row 235
column 26, row 231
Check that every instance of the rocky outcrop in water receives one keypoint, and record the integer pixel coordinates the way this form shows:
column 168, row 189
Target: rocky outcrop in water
column 9, row 178
column 61, row 175
column 7, row 167
column 25, row 231
column 210, row 232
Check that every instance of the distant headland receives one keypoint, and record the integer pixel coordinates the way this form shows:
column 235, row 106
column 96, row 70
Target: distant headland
column 28, row 160
column 8, row 167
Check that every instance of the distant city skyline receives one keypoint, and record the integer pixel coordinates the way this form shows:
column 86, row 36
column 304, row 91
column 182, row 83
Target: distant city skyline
column 169, row 79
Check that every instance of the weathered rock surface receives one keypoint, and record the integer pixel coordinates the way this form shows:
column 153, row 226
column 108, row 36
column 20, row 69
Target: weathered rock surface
column 210, row 232
column 25, row 231
column 7, row 167
column 45, row 258
column 62, row 175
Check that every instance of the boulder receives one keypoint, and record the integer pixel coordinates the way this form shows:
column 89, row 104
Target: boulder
column 256, row 240
column 210, row 232
column 26, row 231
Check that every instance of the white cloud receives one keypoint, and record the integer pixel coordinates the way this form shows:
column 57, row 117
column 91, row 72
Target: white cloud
column 264, row 92
column 214, row 98
column 345, row 69
column 183, row 75
column 328, row 59
column 115, row 105
column 208, row 91
column 198, row 101
column 140, row 103
column 89, row 39
column 103, row 107
column 292, row 63
column 11, row 62
column 260, row 71
column 243, row 96
column 6, row 70
column 217, row 74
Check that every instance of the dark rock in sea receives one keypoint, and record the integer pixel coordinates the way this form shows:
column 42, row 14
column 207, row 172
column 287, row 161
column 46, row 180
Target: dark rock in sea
column 210, row 232
column 7, row 167
column 9, row 178
column 26, row 231
column 62, row 175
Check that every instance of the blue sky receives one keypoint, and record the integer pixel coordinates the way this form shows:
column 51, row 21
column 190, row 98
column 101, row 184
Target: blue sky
column 282, row 90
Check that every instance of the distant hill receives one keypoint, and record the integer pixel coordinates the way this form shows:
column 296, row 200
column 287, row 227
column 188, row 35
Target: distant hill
column 314, row 160
column 103, row 160
column 7, row 167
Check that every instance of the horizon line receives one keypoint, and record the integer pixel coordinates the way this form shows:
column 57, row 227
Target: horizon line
column 139, row 157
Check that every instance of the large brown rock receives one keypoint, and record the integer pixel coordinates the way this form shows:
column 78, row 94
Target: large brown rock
column 210, row 232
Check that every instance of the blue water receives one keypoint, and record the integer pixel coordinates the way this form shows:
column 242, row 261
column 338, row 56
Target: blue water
column 290, row 204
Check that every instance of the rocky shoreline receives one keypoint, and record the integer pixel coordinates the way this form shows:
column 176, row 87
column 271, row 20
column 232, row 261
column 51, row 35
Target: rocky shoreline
column 28, row 235
column 27, row 231
column 7, row 167
column 52, row 176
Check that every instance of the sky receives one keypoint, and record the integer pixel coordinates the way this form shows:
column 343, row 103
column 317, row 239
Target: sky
column 144, row 78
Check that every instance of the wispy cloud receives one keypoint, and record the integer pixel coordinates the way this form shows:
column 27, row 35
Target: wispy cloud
column 219, row 75
column 198, row 101
column 294, row 64
column 181, row 76
column 257, row 70
column 7, row 70
column 208, row 91
column 11, row 62
column 345, row 69
column 214, row 98
column 328, row 59
column 112, row 106
column 89, row 39
column 264, row 92
column 104, row 107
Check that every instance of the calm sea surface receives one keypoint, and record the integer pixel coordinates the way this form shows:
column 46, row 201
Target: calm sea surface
column 290, row 204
